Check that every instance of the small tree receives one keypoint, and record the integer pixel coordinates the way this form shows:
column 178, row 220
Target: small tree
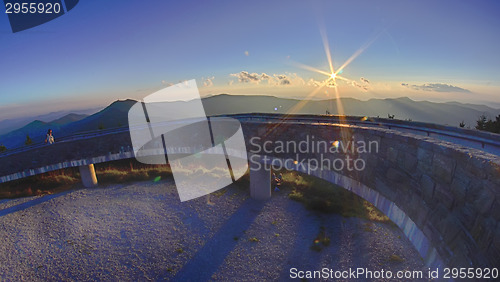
column 28, row 140
column 497, row 124
column 481, row 123
column 2, row 148
column 462, row 124
column 488, row 125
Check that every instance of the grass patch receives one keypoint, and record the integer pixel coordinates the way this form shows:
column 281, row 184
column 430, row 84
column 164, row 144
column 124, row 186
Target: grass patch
column 395, row 258
column 368, row 227
column 65, row 179
column 43, row 184
column 220, row 193
column 321, row 240
column 129, row 171
column 253, row 239
column 323, row 196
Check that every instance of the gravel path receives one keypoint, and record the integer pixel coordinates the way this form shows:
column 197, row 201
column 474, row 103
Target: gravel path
column 141, row 231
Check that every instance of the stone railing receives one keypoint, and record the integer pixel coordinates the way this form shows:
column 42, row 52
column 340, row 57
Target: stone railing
column 444, row 195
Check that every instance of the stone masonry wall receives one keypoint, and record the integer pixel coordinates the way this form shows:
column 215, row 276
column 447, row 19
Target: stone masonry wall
column 450, row 192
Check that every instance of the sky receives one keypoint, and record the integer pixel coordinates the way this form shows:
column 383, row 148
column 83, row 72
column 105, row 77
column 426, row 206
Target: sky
column 102, row 51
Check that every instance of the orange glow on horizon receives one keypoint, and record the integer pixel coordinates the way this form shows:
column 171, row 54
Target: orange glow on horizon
column 328, row 82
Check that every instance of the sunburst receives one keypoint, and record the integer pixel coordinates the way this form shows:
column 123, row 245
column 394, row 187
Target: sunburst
column 332, row 75
column 330, row 81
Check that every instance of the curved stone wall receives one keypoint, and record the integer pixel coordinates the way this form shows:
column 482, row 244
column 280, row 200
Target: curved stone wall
column 444, row 196
column 449, row 193
column 398, row 216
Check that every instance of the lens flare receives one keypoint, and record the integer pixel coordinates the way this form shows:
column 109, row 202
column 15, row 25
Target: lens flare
column 329, row 82
column 335, row 144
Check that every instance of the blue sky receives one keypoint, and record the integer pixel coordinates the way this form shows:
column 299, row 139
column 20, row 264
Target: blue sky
column 107, row 50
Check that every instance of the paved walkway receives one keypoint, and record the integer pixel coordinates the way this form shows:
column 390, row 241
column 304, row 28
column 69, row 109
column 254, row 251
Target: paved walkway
column 142, row 231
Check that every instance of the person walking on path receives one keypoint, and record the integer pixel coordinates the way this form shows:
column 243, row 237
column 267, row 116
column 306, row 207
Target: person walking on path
column 277, row 180
column 50, row 137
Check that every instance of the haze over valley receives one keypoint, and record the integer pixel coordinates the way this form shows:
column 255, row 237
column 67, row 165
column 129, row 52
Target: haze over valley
column 116, row 114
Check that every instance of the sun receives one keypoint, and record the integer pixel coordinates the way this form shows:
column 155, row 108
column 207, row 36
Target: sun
column 331, row 81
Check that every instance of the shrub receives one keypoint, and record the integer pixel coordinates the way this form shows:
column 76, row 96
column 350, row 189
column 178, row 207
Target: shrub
column 320, row 195
column 485, row 124
column 28, row 140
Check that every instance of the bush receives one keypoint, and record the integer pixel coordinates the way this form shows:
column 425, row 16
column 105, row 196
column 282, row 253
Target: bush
column 28, row 140
column 320, row 195
column 64, row 179
column 485, row 124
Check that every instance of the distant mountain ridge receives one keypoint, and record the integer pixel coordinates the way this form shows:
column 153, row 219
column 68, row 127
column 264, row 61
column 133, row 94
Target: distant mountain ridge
column 403, row 108
column 8, row 125
column 37, row 130
column 68, row 118
column 116, row 114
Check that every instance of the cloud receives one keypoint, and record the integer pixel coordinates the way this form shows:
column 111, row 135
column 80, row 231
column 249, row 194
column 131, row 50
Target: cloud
column 363, row 87
column 282, row 79
column 264, row 76
column 245, row 77
column 317, row 83
column 314, row 83
column 275, row 79
column 164, row 82
column 288, row 79
column 437, row 87
column 208, row 82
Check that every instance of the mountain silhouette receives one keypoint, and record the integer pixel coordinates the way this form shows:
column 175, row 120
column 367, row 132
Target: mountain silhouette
column 403, row 108
column 68, row 119
column 116, row 114
column 37, row 130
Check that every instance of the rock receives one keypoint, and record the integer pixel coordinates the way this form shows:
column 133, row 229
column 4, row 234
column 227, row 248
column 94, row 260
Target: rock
column 443, row 167
column 392, row 154
column 459, row 191
column 443, row 196
column 467, row 215
column 484, row 201
column 410, row 162
column 427, row 185
column 395, row 175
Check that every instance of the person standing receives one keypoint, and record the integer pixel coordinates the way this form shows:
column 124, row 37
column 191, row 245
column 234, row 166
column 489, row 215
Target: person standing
column 277, row 181
column 50, row 137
